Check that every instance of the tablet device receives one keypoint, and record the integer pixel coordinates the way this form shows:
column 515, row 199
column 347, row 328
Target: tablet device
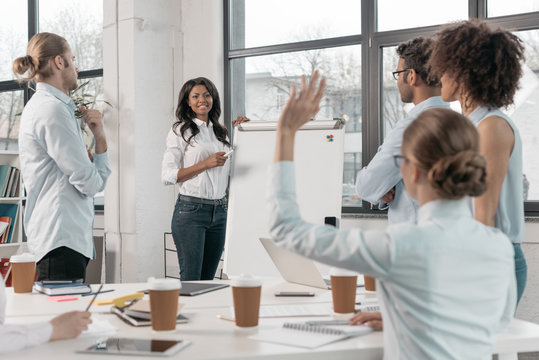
column 193, row 289
column 130, row 346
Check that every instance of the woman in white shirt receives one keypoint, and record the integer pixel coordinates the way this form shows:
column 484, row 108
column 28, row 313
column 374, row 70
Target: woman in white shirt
column 195, row 158
column 442, row 296
column 15, row 337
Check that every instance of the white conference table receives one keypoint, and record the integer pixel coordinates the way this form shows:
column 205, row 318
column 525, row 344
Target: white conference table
column 213, row 338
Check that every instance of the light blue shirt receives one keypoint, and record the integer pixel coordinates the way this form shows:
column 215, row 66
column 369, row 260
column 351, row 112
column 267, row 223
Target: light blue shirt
column 442, row 296
column 59, row 178
column 381, row 175
column 509, row 216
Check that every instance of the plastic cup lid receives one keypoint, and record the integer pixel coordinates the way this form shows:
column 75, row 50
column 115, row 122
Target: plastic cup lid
column 342, row 272
column 246, row 281
column 164, row 284
column 25, row 257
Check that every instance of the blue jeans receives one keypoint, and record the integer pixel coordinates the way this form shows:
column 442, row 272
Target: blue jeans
column 199, row 230
column 521, row 270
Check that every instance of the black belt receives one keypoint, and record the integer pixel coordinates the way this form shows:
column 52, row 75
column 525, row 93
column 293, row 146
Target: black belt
column 197, row 200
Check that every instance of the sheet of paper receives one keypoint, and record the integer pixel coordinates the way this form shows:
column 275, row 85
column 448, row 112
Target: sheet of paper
column 274, row 311
column 99, row 327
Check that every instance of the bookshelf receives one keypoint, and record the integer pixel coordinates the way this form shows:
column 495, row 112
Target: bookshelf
column 11, row 158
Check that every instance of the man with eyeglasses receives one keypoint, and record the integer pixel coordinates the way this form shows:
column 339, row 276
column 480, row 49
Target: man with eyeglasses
column 380, row 182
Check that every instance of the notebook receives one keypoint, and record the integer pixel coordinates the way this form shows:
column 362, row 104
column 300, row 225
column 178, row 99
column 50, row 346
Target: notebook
column 62, row 289
column 138, row 313
column 309, row 336
column 193, row 289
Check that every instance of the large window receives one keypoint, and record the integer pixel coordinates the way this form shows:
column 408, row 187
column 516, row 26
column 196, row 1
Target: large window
column 80, row 22
column 263, row 59
column 269, row 44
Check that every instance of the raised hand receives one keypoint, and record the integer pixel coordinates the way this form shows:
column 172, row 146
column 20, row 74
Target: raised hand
column 300, row 109
column 297, row 111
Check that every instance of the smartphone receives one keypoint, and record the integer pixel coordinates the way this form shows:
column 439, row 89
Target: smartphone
column 294, row 293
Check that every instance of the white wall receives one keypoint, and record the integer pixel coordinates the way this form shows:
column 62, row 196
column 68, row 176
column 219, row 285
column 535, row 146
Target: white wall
column 150, row 47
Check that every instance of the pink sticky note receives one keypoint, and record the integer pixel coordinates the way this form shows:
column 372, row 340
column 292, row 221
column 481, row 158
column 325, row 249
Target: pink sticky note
column 62, row 298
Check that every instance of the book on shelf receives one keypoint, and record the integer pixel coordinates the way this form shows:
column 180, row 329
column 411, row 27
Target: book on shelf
column 9, row 181
column 17, row 188
column 9, row 211
column 5, row 224
column 12, row 184
column 308, row 335
column 138, row 313
column 4, row 177
column 67, row 288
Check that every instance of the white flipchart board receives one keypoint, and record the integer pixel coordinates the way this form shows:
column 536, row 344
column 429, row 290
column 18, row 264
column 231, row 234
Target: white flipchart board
column 318, row 158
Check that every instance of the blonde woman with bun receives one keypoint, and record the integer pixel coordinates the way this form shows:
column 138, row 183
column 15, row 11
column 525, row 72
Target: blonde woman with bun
column 441, row 294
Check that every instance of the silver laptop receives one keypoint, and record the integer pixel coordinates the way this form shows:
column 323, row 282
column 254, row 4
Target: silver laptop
column 294, row 268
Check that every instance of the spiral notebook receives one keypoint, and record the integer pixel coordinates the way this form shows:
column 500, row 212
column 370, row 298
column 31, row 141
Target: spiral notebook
column 309, row 336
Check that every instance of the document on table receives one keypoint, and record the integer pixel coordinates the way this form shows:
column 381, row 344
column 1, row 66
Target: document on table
column 275, row 311
column 309, row 336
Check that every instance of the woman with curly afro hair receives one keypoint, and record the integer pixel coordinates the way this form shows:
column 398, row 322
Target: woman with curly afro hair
column 480, row 67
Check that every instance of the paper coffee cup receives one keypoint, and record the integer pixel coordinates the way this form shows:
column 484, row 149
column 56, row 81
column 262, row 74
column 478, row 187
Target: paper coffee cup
column 164, row 296
column 23, row 267
column 343, row 290
column 370, row 283
column 246, row 292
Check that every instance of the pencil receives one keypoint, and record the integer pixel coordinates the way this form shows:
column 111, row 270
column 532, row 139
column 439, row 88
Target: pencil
column 93, row 299
column 222, row 317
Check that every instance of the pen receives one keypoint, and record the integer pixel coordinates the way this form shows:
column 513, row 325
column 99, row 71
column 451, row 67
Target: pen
column 328, row 322
column 222, row 317
column 101, row 292
column 93, row 299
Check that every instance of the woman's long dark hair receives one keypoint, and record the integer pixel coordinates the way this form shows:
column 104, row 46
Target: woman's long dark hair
column 185, row 114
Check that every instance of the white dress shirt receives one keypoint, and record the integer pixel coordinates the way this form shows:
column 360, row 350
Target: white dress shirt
column 209, row 184
column 59, row 178
column 14, row 337
column 381, row 175
column 446, row 285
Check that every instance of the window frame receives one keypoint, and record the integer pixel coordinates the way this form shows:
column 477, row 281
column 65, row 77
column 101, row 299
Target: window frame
column 33, row 27
column 372, row 42
column 13, row 85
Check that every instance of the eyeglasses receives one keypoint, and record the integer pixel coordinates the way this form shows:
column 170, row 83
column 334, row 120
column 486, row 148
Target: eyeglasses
column 397, row 159
column 396, row 73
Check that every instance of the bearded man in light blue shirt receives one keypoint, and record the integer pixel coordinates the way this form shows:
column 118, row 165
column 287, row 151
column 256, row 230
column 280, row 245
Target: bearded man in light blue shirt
column 60, row 176
column 380, row 183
